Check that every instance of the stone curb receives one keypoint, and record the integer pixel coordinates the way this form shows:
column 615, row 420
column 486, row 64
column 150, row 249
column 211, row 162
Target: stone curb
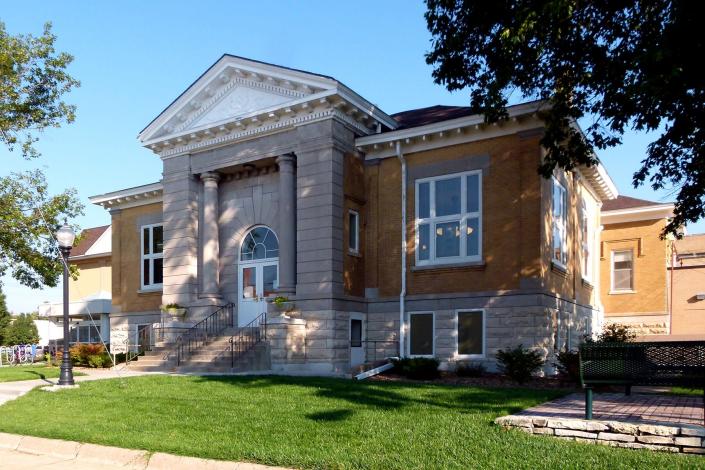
column 116, row 456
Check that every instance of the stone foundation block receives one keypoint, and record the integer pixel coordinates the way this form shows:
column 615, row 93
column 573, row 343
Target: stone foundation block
column 655, row 439
column 544, row 431
column 541, row 422
column 611, row 436
column 574, row 433
column 689, row 441
column 658, row 430
column 688, row 430
column 693, row 450
column 623, row 428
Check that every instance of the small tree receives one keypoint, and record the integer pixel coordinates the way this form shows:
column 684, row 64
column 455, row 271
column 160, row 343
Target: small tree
column 21, row 331
column 5, row 317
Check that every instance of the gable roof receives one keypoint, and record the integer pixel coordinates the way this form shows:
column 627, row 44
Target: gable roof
column 89, row 237
column 626, row 202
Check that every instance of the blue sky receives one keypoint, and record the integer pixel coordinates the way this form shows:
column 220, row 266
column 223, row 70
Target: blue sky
column 133, row 58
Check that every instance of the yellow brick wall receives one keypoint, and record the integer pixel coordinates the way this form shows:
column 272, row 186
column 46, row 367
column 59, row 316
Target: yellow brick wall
column 649, row 294
column 94, row 276
column 354, row 192
column 511, row 228
column 126, row 261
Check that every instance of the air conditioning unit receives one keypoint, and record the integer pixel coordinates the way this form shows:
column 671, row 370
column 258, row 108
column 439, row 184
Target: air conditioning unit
column 700, row 296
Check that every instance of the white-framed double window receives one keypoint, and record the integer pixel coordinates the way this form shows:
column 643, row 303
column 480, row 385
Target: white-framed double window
column 586, row 241
column 353, row 232
column 622, row 271
column 449, row 218
column 471, row 334
column 152, row 256
column 560, row 224
column 422, row 334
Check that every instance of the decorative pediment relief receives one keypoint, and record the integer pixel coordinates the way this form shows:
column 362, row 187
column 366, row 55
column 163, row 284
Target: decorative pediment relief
column 239, row 98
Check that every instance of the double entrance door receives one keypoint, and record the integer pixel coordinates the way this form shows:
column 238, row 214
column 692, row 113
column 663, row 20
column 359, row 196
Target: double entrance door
column 257, row 280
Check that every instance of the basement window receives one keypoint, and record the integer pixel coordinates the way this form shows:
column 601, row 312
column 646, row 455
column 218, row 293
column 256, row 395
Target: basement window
column 353, row 232
column 421, row 334
column 471, row 334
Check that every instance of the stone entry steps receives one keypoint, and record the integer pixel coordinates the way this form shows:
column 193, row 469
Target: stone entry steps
column 212, row 357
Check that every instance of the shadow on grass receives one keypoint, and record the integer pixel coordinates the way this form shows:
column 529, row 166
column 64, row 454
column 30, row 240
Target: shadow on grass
column 393, row 396
column 330, row 415
column 39, row 375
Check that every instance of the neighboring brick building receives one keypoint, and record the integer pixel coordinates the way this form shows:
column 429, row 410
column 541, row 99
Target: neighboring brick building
column 425, row 233
column 687, row 278
column 633, row 264
column 89, row 293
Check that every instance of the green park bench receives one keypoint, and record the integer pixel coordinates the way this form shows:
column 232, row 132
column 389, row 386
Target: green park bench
column 667, row 363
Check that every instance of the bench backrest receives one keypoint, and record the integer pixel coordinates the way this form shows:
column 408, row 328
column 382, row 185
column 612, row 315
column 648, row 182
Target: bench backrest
column 657, row 363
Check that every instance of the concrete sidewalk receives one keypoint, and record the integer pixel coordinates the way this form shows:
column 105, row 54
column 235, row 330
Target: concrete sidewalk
column 35, row 452
column 11, row 390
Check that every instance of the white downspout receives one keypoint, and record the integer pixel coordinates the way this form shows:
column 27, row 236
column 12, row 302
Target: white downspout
column 402, row 292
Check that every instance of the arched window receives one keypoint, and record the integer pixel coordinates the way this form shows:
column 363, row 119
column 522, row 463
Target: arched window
column 259, row 243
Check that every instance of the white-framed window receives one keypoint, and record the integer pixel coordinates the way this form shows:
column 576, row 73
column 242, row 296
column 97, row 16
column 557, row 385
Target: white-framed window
column 152, row 256
column 353, row 232
column 471, row 334
column 422, row 334
column 449, row 218
column 560, row 224
column 586, row 241
column 622, row 270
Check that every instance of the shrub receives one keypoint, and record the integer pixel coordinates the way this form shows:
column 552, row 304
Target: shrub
column 469, row 369
column 417, row 368
column 568, row 365
column 615, row 333
column 80, row 353
column 519, row 364
column 99, row 360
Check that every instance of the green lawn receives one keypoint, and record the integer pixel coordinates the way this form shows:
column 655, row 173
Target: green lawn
column 313, row 423
column 16, row 373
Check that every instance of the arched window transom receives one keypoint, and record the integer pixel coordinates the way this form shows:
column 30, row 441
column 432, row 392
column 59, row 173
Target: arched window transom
column 259, row 243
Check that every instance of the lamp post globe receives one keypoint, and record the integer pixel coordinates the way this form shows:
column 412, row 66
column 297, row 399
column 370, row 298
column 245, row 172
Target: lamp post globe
column 66, row 236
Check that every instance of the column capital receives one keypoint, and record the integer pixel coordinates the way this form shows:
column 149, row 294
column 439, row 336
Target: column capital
column 210, row 176
column 286, row 160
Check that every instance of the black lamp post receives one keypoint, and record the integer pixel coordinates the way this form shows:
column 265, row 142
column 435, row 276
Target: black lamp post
column 65, row 236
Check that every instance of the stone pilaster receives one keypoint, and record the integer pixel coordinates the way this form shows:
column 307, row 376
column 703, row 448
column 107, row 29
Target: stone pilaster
column 287, row 224
column 211, row 249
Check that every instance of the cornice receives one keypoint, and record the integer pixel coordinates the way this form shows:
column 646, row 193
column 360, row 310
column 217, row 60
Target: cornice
column 131, row 197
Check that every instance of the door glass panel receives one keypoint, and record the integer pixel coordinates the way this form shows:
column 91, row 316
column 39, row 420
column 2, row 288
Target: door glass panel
column 269, row 280
column 447, row 197
column 249, row 283
column 421, row 328
column 355, row 333
column 470, row 332
column 447, row 239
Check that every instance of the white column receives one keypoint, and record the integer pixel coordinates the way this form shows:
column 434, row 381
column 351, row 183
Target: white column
column 211, row 249
column 287, row 224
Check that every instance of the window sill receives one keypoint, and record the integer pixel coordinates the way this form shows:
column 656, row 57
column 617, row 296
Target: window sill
column 621, row 292
column 469, row 357
column 471, row 265
column 354, row 254
column 559, row 268
column 150, row 290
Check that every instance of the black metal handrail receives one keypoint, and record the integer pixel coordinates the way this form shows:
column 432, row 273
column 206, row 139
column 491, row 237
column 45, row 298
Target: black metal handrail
column 247, row 337
column 197, row 336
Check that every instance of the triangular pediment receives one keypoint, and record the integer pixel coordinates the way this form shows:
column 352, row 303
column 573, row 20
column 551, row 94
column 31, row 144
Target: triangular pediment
column 239, row 102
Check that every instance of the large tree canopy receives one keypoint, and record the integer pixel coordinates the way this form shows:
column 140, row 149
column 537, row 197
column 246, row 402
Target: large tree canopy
column 33, row 79
column 28, row 217
column 621, row 64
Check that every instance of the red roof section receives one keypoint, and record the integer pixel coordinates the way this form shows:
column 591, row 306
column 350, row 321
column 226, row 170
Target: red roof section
column 430, row 115
column 88, row 237
column 626, row 202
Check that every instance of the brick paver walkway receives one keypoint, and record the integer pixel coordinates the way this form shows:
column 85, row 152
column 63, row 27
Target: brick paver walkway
column 619, row 407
